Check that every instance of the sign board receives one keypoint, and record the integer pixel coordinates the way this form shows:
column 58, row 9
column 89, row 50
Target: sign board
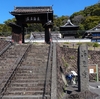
column 93, row 68
column 91, row 71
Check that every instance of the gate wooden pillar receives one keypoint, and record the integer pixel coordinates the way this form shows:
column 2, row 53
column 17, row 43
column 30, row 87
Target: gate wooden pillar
column 16, row 32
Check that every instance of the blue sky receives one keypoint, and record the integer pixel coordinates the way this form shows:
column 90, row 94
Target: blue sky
column 60, row 7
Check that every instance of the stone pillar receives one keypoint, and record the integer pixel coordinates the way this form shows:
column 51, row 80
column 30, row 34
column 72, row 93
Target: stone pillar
column 47, row 34
column 83, row 74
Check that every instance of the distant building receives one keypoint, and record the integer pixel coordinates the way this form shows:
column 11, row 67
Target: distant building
column 69, row 30
column 93, row 34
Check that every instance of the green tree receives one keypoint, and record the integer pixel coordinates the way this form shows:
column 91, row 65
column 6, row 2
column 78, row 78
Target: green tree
column 9, row 21
column 1, row 26
column 96, row 12
column 59, row 21
column 91, row 17
column 95, row 45
column 91, row 21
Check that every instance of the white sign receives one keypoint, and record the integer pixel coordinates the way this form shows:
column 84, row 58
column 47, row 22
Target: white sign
column 91, row 70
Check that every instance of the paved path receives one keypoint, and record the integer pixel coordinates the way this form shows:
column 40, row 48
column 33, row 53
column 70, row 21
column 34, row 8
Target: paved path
column 93, row 87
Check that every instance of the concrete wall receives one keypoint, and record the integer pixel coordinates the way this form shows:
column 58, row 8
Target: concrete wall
column 61, row 40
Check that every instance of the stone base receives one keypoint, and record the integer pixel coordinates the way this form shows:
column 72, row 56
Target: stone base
column 82, row 95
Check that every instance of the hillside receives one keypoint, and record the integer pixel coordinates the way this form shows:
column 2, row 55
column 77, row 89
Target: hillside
column 87, row 18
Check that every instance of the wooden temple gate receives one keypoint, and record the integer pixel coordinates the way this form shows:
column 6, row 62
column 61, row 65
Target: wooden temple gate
column 24, row 15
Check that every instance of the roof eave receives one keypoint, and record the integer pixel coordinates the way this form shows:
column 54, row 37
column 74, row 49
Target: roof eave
column 27, row 13
column 14, row 24
column 69, row 26
column 93, row 31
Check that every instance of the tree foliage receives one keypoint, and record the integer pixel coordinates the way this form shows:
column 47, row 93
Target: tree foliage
column 5, row 30
column 91, row 21
column 59, row 21
column 78, row 19
column 35, row 27
column 87, row 18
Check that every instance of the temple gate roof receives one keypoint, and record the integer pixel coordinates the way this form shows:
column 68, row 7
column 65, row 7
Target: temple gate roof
column 32, row 10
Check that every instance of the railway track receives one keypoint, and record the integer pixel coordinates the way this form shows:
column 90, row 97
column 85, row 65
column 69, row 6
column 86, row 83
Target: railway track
column 26, row 72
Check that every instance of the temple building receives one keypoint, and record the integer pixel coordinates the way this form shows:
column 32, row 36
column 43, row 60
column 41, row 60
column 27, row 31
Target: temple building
column 93, row 34
column 69, row 30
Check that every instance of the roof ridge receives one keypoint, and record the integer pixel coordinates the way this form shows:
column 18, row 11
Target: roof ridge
column 32, row 7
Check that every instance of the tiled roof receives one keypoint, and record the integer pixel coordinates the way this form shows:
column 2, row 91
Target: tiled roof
column 14, row 24
column 95, row 29
column 40, row 9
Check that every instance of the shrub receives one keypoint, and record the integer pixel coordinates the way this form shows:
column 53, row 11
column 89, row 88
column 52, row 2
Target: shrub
column 95, row 44
column 65, row 63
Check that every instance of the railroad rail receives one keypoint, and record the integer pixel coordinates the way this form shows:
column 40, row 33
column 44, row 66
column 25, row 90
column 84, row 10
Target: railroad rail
column 27, row 72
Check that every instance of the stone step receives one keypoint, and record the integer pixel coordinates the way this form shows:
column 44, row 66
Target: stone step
column 25, row 97
column 28, row 80
column 25, row 89
column 32, row 67
column 31, row 74
column 33, row 70
column 12, row 92
column 28, row 74
column 23, row 83
column 32, row 77
column 29, row 86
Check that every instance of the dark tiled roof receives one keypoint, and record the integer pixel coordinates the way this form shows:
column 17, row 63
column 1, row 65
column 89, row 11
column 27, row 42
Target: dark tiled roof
column 14, row 24
column 32, row 9
column 95, row 29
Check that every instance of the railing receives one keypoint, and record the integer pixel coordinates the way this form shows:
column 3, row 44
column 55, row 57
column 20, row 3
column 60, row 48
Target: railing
column 54, row 74
column 47, row 86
